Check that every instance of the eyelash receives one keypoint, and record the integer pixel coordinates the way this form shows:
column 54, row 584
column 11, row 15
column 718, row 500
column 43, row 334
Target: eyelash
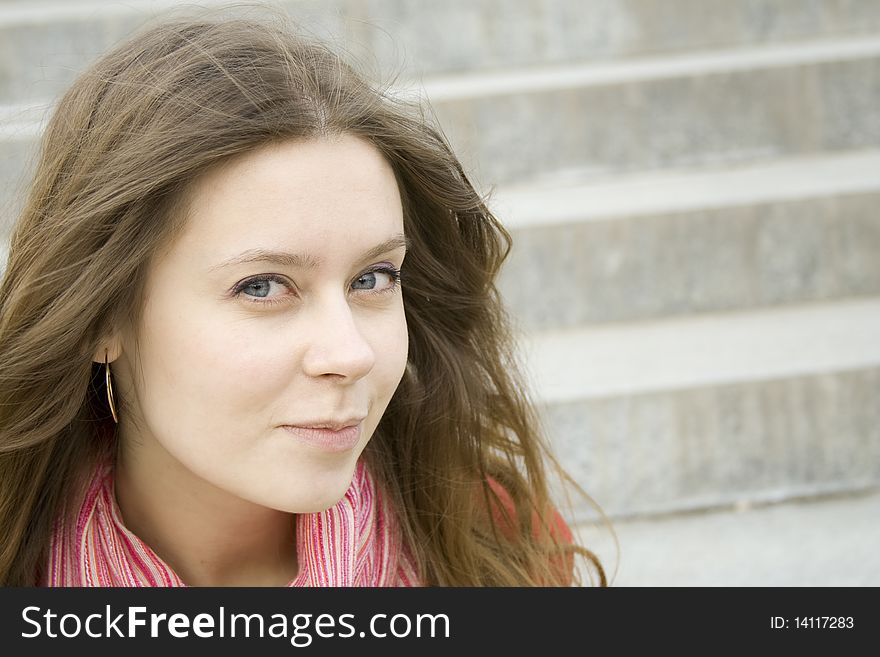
column 239, row 289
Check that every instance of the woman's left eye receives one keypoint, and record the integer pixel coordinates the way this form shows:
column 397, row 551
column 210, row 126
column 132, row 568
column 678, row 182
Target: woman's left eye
column 258, row 288
column 370, row 277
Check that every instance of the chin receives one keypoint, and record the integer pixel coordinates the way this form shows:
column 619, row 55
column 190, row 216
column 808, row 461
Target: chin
column 318, row 493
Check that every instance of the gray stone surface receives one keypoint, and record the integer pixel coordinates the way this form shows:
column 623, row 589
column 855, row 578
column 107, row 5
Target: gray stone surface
column 41, row 55
column 624, row 269
column 462, row 35
column 828, row 541
column 689, row 121
column 16, row 169
column 713, row 445
column 38, row 60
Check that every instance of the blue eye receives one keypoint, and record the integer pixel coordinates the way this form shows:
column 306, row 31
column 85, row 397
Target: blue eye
column 389, row 271
column 259, row 287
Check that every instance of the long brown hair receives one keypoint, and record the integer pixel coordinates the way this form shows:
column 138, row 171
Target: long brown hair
column 120, row 152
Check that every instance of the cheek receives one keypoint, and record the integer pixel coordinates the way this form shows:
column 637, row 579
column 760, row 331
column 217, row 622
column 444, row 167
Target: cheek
column 392, row 353
column 206, row 368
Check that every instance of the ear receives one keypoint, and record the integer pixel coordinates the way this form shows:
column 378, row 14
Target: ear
column 110, row 347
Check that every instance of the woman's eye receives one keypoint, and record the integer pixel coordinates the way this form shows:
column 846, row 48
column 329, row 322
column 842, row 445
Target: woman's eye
column 266, row 289
column 260, row 287
column 375, row 285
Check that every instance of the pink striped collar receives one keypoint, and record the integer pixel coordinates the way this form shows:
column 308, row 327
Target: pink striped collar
column 353, row 543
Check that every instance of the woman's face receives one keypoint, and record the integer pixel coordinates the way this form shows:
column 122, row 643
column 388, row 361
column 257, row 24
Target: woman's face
column 276, row 306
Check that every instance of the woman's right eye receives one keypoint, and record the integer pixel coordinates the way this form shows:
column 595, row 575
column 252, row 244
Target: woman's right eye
column 258, row 289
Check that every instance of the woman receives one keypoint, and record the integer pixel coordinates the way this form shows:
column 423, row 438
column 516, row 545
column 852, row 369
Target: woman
column 216, row 367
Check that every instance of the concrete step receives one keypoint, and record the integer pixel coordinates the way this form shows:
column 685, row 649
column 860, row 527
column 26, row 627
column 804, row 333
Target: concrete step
column 499, row 34
column 45, row 43
column 18, row 150
column 824, row 541
column 695, row 412
column 680, row 242
column 693, row 110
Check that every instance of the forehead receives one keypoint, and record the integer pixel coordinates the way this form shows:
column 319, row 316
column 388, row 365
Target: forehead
column 314, row 194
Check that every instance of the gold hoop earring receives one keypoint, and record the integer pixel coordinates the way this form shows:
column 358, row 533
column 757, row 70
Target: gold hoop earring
column 110, row 388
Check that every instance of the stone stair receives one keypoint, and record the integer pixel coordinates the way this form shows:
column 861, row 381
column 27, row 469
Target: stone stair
column 692, row 187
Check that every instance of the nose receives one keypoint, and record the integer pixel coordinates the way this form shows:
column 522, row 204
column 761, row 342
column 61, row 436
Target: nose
column 337, row 344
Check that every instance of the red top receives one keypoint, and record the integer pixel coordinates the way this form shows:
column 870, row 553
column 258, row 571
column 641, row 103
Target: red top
column 563, row 564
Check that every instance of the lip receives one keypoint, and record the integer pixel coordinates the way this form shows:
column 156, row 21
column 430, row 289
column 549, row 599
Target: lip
column 329, row 440
column 335, row 425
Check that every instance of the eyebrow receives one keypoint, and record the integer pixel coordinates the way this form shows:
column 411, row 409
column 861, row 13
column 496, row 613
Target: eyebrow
column 304, row 261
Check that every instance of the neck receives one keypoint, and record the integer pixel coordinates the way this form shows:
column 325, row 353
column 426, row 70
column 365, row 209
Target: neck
column 208, row 536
